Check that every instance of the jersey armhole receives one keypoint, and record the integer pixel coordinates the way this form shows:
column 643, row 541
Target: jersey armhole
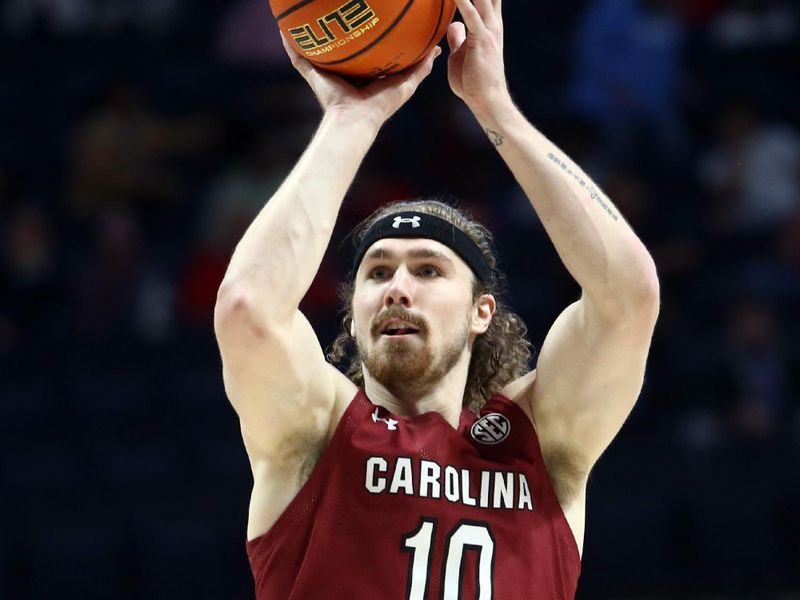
column 561, row 521
column 303, row 503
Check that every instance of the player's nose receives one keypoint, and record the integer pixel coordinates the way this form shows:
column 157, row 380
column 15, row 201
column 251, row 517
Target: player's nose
column 400, row 289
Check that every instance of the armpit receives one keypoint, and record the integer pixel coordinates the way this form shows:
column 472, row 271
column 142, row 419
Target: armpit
column 568, row 471
column 304, row 450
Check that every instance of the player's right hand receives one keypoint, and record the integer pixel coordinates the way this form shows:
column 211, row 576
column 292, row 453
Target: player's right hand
column 376, row 102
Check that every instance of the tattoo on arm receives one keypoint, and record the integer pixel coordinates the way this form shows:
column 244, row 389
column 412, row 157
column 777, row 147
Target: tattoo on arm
column 594, row 193
column 496, row 138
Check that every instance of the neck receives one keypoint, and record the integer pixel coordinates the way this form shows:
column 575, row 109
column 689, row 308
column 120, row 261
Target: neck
column 445, row 396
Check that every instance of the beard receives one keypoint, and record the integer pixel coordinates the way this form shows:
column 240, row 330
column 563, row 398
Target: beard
column 404, row 365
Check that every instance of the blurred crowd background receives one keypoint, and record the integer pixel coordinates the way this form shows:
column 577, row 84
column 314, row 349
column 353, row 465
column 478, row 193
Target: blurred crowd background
column 139, row 139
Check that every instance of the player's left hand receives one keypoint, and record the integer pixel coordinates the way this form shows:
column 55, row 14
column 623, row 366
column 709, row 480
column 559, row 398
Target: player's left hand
column 475, row 67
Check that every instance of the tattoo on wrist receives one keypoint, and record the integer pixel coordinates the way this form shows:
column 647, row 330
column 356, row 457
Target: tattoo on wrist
column 594, row 193
column 496, row 138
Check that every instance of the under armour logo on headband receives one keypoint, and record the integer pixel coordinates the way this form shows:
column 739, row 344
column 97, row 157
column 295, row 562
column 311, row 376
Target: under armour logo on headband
column 425, row 225
column 413, row 220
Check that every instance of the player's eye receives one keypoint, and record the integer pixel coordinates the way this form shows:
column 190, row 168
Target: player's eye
column 379, row 273
column 429, row 271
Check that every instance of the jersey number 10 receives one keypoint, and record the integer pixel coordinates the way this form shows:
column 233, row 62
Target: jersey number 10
column 469, row 535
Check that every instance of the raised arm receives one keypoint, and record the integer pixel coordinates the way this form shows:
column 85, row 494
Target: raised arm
column 591, row 365
column 275, row 373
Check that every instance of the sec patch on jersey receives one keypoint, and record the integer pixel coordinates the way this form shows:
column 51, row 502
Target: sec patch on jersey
column 491, row 429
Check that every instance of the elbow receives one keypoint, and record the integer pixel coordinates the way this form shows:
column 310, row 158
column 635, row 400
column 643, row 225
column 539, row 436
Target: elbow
column 645, row 294
column 244, row 308
column 231, row 298
column 634, row 297
column 650, row 283
column 235, row 309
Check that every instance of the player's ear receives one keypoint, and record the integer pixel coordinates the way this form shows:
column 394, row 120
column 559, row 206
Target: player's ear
column 482, row 313
column 352, row 327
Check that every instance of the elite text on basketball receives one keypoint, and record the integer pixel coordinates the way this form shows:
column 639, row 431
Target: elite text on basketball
column 353, row 18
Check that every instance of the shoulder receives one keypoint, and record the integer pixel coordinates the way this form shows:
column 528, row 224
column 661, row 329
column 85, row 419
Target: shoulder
column 345, row 392
column 519, row 391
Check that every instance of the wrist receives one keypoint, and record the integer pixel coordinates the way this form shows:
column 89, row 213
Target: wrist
column 354, row 118
column 494, row 113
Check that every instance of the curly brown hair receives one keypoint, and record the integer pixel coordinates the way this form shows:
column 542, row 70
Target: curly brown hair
column 499, row 355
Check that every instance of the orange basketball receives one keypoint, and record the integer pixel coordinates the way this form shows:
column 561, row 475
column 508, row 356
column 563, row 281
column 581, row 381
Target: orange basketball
column 363, row 38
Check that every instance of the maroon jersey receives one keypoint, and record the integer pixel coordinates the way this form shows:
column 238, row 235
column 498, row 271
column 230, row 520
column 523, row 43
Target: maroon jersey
column 408, row 508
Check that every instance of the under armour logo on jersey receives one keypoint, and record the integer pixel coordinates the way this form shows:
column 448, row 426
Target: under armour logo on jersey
column 413, row 220
column 391, row 424
column 491, row 429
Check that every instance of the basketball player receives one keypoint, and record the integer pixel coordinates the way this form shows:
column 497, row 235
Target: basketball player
column 388, row 485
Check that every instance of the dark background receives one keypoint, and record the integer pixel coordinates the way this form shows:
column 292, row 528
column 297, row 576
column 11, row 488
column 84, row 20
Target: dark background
column 137, row 141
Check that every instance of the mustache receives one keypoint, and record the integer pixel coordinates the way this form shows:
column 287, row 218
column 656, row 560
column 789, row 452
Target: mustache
column 398, row 313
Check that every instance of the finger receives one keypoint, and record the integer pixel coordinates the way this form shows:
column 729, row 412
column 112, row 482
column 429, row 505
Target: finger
column 486, row 11
column 410, row 78
column 472, row 19
column 497, row 8
column 456, row 34
column 293, row 54
column 422, row 69
column 298, row 62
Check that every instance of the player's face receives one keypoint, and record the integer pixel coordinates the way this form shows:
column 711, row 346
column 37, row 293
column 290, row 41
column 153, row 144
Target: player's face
column 412, row 311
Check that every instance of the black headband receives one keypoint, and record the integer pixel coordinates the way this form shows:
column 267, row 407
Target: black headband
column 424, row 225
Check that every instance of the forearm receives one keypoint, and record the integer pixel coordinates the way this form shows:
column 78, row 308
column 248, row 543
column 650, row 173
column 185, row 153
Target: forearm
column 279, row 255
column 596, row 245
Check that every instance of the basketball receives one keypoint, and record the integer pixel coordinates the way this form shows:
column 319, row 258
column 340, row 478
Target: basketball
column 363, row 38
